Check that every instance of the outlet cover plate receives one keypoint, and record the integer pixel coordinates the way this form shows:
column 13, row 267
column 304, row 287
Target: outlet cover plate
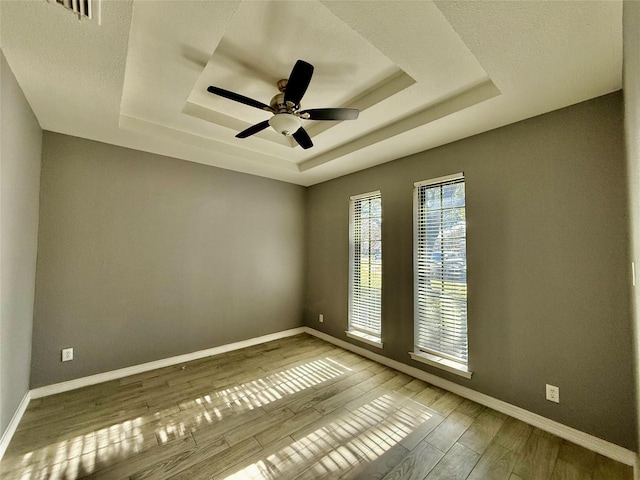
column 67, row 354
column 553, row 393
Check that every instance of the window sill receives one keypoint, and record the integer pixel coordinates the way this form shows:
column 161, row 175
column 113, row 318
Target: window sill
column 364, row 337
column 443, row 363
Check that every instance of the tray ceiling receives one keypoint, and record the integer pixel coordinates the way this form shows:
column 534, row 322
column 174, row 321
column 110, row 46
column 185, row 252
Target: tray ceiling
column 422, row 73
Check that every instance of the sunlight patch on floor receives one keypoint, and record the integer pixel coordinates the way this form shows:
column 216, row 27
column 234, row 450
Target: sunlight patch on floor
column 78, row 456
column 350, row 439
column 249, row 396
column 84, row 454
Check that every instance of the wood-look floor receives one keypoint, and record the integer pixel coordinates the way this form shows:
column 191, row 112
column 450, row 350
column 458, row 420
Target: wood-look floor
column 296, row 408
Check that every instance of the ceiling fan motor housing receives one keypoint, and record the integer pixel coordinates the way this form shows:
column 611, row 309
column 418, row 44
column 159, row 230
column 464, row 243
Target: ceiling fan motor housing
column 279, row 105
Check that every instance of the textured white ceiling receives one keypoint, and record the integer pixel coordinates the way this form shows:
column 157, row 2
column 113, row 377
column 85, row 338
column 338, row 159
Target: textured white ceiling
column 422, row 73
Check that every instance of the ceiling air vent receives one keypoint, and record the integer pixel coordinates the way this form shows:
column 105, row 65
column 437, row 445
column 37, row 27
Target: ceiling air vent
column 82, row 8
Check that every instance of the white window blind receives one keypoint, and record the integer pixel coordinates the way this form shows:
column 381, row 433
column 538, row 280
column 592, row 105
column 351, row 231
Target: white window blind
column 440, row 269
column 365, row 266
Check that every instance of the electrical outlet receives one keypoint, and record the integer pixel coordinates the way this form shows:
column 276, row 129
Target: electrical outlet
column 553, row 393
column 321, row 318
column 67, row 354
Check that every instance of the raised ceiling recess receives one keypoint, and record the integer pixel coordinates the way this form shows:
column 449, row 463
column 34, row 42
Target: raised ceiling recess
column 259, row 43
column 422, row 73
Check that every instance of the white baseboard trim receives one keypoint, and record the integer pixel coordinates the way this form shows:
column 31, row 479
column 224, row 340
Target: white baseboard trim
column 165, row 362
column 578, row 437
column 7, row 435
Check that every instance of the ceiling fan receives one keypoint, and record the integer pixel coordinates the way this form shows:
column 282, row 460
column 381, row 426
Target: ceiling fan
column 285, row 107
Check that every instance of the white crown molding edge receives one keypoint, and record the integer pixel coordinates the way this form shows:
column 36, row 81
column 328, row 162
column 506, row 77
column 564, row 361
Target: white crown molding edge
column 565, row 432
column 7, row 435
column 166, row 362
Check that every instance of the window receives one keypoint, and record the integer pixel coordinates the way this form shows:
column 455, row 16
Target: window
column 440, row 274
column 365, row 268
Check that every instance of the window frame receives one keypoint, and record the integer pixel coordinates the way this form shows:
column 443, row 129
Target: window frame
column 355, row 331
column 421, row 353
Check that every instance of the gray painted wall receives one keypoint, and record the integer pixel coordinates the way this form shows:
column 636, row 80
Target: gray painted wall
column 143, row 257
column 20, row 143
column 631, row 79
column 547, row 263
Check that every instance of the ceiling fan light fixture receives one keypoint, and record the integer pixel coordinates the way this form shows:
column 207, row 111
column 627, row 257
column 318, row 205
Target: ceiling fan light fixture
column 285, row 123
